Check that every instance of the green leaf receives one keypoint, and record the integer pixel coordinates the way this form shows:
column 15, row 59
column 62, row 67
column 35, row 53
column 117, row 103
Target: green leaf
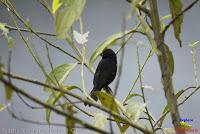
column 185, row 125
column 52, row 101
column 2, row 107
column 134, row 110
column 54, row 97
column 165, row 17
column 55, row 5
column 131, row 95
column 194, row 44
column 108, row 101
column 175, row 8
column 57, row 76
column 70, row 87
column 99, row 120
column 125, row 127
column 4, row 29
column 8, row 91
column 163, row 26
column 65, row 17
column 70, row 123
column 11, row 42
column 178, row 94
column 171, row 59
column 110, row 41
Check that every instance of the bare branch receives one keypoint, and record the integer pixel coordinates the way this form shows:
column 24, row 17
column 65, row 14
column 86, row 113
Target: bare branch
column 134, row 125
column 11, row 28
column 81, row 122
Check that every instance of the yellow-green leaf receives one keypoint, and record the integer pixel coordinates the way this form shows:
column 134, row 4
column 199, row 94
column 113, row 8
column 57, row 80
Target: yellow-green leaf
column 99, row 120
column 70, row 125
column 134, row 110
column 69, row 121
column 131, row 95
column 194, row 44
column 178, row 94
column 52, row 101
column 110, row 41
column 125, row 127
column 11, row 42
column 185, row 125
column 108, row 101
column 65, row 17
column 175, row 8
column 8, row 91
column 53, row 98
column 57, row 76
column 2, row 107
column 4, row 29
column 165, row 17
column 70, row 87
column 55, row 5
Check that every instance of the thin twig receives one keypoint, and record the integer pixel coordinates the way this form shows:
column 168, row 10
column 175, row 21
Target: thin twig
column 45, row 5
column 83, row 100
column 39, row 107
column 39, row 122
column 73, row 104
column 134, row 83
column 81, row 122
column 27, row 30
column 49, row 58
column 141, row 87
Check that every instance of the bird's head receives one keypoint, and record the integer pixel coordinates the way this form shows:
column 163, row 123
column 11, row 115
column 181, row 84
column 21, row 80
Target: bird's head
column 108, row 53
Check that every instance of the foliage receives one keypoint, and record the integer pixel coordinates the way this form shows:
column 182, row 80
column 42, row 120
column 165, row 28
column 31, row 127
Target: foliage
column 61, row 96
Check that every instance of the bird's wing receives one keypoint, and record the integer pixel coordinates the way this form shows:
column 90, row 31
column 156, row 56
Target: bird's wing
column 100, row 79
column 101, row 75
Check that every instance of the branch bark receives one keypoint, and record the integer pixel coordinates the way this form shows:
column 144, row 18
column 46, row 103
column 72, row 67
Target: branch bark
column 164, row 65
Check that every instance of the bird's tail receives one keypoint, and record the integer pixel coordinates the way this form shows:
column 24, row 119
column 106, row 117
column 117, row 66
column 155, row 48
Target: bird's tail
column 108, row 90
column 92, row 95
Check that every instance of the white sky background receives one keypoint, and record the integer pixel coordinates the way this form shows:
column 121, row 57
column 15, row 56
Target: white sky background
column 102, row 18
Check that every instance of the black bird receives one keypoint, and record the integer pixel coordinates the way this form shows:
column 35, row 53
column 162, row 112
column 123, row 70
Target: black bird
column 105, row 72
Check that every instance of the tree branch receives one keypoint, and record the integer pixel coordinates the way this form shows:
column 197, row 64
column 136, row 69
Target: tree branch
column 81, row 122
column 134, row 125
column 11, row 28
column 164, row 65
